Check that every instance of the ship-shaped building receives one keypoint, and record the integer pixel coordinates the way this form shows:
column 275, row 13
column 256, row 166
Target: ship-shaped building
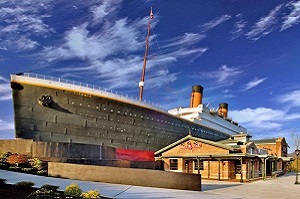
column 56, row 110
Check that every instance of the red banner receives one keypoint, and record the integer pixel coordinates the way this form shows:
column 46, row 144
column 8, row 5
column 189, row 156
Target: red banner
column 134, row 155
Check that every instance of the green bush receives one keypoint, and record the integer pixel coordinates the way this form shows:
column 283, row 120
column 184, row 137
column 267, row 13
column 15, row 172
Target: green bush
column 44, row 193
column 3, row 156
column 50, row 187
column 28, row 170
column 14, row 168
column 2, row 181
column 73, row 190
column 3, row 165
column 36, row 163
column 24, row 184
column 91, row 194
column 42, row 172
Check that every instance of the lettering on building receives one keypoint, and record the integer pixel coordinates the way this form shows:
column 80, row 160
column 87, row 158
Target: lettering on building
column 190, row 145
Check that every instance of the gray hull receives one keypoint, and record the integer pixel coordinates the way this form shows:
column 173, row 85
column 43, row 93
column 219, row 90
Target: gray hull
column 84, row 118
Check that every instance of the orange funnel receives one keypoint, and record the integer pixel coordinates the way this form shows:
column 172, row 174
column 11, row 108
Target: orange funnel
column 223, row 109
column 196, row 97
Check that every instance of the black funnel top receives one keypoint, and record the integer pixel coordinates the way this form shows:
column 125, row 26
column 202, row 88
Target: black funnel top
column 223, row 105
column 197, row 88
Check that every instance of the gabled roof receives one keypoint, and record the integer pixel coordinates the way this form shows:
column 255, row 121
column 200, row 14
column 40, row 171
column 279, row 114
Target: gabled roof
column 229, row 141
column 264, row 141
column 189, row 137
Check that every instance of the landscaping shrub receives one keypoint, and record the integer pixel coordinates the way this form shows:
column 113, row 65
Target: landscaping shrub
column 2, row 181
column 73, row 190
column 16, row 159
column 42, row 172
column 36, row 163
column 3, row 165
column 14, row 168
column 3, row 160
column 16, row 162
column 44, row 193
column 3, row 156
column 24, row 184
column 91, row 194
column 50, row 187
column 27, row 170
column 39, row 166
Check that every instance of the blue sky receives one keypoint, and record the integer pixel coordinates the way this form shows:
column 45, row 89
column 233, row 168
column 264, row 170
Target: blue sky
column 245, row 53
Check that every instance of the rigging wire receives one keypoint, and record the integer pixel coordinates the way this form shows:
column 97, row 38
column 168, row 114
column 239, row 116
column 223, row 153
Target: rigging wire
column 163, row 66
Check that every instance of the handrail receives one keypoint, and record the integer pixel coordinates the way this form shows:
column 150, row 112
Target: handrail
column 93, row 88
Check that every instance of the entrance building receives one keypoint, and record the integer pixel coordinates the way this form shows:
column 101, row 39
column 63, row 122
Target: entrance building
column 237, row 158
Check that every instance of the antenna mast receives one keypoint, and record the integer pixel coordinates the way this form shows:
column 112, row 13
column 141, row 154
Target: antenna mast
column 141, row 83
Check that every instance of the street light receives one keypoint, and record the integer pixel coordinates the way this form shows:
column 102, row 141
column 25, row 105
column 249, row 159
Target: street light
column 297, row 151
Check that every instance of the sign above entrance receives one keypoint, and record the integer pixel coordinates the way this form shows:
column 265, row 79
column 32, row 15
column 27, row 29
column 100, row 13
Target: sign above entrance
column 190, row 145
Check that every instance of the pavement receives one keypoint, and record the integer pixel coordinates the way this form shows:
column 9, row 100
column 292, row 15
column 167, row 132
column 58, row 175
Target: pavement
column 276, row 188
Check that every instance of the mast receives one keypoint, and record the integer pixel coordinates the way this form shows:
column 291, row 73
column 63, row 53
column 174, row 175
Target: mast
column 141, row 83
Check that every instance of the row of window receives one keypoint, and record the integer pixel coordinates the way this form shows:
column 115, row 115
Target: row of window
column 200, row 165
column 158, row 120
column 196, row 164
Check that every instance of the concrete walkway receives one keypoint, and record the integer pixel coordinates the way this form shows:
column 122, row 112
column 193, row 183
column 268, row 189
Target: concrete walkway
column 281, row 187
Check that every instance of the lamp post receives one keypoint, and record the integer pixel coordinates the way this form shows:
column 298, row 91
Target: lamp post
column 297, row 151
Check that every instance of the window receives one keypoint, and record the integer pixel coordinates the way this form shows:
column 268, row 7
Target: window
column 173, row 164
column 252, row 150
column 238, row 167
column 201, row 165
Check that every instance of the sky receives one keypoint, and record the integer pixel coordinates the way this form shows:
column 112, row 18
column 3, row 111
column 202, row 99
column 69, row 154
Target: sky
column 244, row 53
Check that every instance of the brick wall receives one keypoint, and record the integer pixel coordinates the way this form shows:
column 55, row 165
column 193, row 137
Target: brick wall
column 56, row 150
column 117, row 175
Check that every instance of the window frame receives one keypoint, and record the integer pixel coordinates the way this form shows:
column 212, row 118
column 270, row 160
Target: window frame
column 174, row 164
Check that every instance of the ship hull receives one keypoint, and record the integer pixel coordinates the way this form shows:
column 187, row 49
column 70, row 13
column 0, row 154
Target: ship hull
column 82, row 117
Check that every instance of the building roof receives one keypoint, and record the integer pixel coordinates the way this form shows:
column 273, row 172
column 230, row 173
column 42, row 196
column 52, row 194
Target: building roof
column 264, row 141
column 230, row 141
column 189, row 137
column 214, row 156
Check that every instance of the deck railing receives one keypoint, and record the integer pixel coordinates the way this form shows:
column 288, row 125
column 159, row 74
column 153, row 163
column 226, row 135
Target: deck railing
column 95, row 89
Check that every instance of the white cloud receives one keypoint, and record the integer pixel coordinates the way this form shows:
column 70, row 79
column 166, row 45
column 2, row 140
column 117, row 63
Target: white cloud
column 4, row 79
column 117, row 37
column 183, row 40
column 254, row 83
column 265, row 25
column 215, row 22
column 261, row 118
column 21, row 20
column 293, row 98
column 258, row 119
column 294, row 17
column 19, row 43
column 6, row 125
column 115, row 52
column 224, row 75
column 238, row 27
column 5, row 90
column 7, row 129
column 104, row 9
